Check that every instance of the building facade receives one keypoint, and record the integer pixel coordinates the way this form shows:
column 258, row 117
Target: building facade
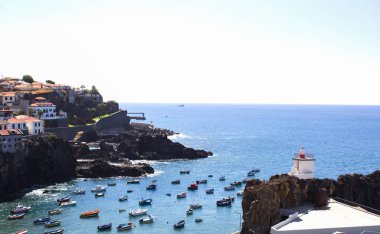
column 10, row 140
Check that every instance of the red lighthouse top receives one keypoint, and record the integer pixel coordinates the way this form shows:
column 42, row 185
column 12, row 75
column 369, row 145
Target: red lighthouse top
column 302, row 152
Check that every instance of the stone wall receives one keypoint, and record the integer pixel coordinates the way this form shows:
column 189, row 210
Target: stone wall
column 118, row 121
column 68, row 133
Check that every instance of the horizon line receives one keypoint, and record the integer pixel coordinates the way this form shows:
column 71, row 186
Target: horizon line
column 259, row 104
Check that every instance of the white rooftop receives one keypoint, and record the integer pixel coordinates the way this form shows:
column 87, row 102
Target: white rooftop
column 335, row 216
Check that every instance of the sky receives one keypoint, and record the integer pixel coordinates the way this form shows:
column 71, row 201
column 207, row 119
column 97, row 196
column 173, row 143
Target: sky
column 200, row 51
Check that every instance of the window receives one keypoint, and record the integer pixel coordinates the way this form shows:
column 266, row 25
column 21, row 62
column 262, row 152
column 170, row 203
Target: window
column 39, row 124
column 35, row 124
column 24, row 125
column 6, row 98
column 35, row 131
column 13, row 126
column 50, row 110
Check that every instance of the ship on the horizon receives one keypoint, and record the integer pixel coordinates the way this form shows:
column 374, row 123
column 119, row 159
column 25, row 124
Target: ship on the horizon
column 181, row 105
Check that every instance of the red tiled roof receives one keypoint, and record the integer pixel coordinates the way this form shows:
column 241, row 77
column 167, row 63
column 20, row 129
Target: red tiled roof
column 9, row 132
column 42, row 104
column 8, row 93
column 40, row 98
column 27, row 118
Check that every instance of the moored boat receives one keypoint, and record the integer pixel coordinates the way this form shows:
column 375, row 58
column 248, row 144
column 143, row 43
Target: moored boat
column 210, row 191
column 236, row 183
column 20, row 210
column 125, row 227
column 184, row 172
column 133, row 182
column 229, row 188
column 176, row 181
column 196, row 206
column 16, row 216
column 69, row 203
column 105, row 227
column 240, row 193
column 55, row 211
column 151, row 187
column 129, row 190
column 223, row 178
column 189, row 211
column 99, row 195
column 52, row 223
column 112, row 184
column 58, row 231
column 201, row 181
column 41, row 220
column 181, row 195
column 210, row 176
column 138, row 212
column 198, row 220
column 80, row 191
column 89, row 214
column 180, row 224
column 99, row 188
column 192, row 187
column 122, row 209
column 148, row 219
column 21, row 232
column 64, row 199
column 144, row 202
column 123, row 198
column 223, row 202
column 168, row 194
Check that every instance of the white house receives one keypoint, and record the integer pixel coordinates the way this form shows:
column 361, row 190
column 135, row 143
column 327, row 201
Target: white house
column 8, row 98
column 48, row 109
column 31, row 125
column 10, row 140
column 303, row 165
column 14, row 123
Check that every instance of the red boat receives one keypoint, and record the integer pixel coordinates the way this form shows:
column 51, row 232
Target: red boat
column 16, row 216
column 193, row 187
column 21, row 232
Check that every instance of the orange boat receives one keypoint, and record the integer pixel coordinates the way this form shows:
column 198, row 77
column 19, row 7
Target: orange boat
column 89, row 214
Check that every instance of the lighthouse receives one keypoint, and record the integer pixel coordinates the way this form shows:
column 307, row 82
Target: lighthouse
column 303, row 165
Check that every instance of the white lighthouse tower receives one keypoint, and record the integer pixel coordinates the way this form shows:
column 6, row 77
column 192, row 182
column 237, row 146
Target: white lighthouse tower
column 303, row 165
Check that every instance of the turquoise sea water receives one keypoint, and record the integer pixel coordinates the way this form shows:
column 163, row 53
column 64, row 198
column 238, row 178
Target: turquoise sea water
column 344, row 139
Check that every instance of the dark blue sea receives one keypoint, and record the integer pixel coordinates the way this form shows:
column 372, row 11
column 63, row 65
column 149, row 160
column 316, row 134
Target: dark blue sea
column 344, row 139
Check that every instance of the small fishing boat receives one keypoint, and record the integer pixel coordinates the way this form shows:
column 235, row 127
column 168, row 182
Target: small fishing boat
column 64, row 199
column 210, row 176
column 122, row 209
column 105, row 227
column 223, row 178
column 192, row 187
column 89, row 214
column 137, row 212
column 80, row 192
column 99, row 188
column 181, row 195
column 16, row 216
column 69, row 203
column 21, row 232
column 229, row 188
column 112, row 184
column 179, row 225
column 240, row 193
column 196, row 206
column 229, row 198
column 201, row 181
column 20, row 210
column 55, row 211
column 154, row 181
column 52, row 223
column 184, row 172
column 189, row 211
column 99, row 195
column 129, row 191
column 244, row 181
column 41, row 220
column 168, row 194
column 58, row 231
column 151, row 187
column 223, row 202
column 145, row 202
column 148, row 219
column 123, row 198
column 210, row 191
column 236, row 183
column 198, row 220
column 251, row 173
column 125, row 227
column 176, row 181
column 133, row 182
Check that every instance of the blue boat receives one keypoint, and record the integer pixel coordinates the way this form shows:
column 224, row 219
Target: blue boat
column 105, row 227
column 41, row 221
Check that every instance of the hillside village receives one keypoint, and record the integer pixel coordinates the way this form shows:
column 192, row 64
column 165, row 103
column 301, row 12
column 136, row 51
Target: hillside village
column 28, row 107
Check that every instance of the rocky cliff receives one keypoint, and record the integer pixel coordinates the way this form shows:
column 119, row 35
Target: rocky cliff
column 44, row 160
column 262, row 200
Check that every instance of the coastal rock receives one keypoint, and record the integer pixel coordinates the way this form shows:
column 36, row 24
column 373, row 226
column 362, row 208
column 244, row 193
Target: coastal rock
column 44, row 160
column 101, row 168
column 262, row 200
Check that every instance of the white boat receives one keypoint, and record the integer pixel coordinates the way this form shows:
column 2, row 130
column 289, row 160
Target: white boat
column 123, row 198
column 138, row 212
column 189, row 211
column 251, row 173
column 69, row 203
column 99, row 188
column 240, row 193
column 196, row 206
column 80, row 191
column 148, row 219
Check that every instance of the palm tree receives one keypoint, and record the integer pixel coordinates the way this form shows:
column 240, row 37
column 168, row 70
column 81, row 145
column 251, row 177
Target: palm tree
column 94, row 91
column 40, row 113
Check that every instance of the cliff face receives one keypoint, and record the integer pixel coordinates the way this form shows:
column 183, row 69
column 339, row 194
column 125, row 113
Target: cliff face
column 263, row 200
column 44, row 160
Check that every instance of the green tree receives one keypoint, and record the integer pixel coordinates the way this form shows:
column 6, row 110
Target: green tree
column 40, row 113
column 94, row 91
column 50, row 82
column 82, row 87
column 27, row 78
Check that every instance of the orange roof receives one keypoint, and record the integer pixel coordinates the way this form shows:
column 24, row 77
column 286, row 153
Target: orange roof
column 9, row 132
column 42, row 104
column 8, row 93
column 40, row 98
column 26, row 118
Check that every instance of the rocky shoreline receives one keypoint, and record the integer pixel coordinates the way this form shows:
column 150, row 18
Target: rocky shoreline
column 262, row 200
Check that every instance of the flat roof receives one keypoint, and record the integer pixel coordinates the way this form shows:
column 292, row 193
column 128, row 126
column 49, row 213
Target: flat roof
column 335, row 214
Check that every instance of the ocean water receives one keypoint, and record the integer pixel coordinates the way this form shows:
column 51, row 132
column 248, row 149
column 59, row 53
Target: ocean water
column 344, row 139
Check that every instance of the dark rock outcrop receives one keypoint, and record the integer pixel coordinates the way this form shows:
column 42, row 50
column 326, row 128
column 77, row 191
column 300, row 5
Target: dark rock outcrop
column 44, row 160
column 263, row 200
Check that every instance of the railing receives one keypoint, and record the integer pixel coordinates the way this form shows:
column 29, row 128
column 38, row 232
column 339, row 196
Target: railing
column 137, row 115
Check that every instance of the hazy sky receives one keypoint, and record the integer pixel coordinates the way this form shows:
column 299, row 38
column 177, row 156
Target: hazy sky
column 305, row 52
